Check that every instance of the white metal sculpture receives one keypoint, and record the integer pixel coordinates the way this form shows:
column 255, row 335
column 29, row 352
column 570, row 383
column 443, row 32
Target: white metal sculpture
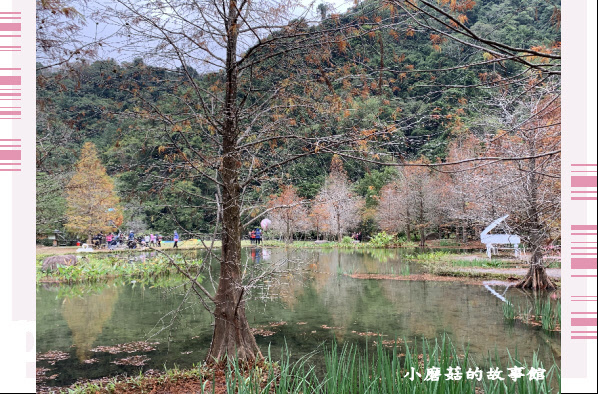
column 492, row 240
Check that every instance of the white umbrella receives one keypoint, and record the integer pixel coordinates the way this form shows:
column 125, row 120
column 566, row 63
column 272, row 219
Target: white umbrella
column 265, row 224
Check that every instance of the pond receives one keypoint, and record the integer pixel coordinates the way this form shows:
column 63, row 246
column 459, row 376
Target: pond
column 315, row 304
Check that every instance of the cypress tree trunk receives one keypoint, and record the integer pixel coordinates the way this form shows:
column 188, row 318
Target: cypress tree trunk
column 232, row 336
column 422, row 230
column 536, row 277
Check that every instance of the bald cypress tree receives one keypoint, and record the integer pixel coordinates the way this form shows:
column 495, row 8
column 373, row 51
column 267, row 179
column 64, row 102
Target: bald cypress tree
column 93, row 204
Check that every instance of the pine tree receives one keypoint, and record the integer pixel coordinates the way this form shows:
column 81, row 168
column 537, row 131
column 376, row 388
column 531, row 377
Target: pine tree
column 93, row 205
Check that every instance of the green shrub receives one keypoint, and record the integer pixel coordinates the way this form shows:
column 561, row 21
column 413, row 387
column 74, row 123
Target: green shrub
column 347, row 240
column 382, row 240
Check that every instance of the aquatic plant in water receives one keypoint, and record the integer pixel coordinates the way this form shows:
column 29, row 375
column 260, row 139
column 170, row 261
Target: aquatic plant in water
column 382, row 240
column 542, row 313
column 405, row 270
column 508, row 310
column 349, row 370
column 101, row 268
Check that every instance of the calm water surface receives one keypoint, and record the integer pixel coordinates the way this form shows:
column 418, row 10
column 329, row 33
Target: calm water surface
column 316, row 304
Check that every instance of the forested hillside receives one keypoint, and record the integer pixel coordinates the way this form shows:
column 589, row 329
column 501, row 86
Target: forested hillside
column 398, row 78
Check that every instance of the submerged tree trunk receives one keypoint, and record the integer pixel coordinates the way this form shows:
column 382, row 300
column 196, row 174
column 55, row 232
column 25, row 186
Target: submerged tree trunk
column 536, row 277
column 232, row 337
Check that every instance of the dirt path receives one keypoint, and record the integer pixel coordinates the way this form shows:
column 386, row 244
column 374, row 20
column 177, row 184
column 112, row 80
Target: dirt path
column 420, row 277
column 552, row 272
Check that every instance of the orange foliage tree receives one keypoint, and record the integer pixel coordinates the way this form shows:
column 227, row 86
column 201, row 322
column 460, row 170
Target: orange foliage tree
column 93, row 204
column 528, row 190
column 319, row 219
column 421, row 201
column 288, row 213
column 473, row 196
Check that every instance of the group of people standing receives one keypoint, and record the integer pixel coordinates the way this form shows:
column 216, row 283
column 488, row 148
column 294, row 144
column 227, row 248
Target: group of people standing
column 255, row 236
column 113, row 240
column 154, row 240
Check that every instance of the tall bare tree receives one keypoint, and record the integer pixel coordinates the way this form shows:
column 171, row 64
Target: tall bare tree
column 528, row 190
column 533, row 186
column 243, row 84
column 288, row 214
column 388, row 213
column 341, row 203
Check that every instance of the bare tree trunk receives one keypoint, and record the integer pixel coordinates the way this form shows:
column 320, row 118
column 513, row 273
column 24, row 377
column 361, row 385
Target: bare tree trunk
column 422, row 230
column 536, row 277
column 232, row 336
column 408, row 228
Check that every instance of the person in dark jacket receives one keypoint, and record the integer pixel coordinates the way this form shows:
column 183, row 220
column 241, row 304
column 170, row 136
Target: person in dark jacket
column 131, row 241
column 258, row 236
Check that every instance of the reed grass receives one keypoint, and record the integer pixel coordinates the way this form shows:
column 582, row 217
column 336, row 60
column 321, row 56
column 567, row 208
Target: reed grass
column 405, row 271
column 541, row 312
column 348, row 370
column 509, row 311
